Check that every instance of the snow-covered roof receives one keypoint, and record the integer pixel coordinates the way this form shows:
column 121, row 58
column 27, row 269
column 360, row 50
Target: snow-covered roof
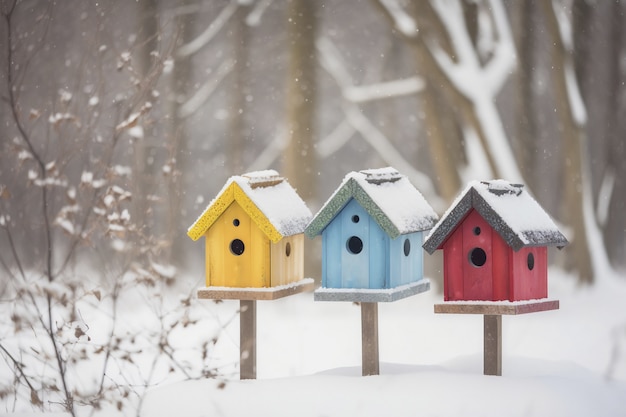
column 267, row 198
column 386, row 195
column 508, row 208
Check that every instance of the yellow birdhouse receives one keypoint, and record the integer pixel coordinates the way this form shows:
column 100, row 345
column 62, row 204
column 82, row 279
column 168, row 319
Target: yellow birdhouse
column 254, row 237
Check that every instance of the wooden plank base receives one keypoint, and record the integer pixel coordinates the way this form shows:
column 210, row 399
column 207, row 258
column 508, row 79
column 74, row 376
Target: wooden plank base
column 369, row 339
column 247, row 339
column 492, row 351
column 270, row 293
column 496, row 307
column 372, row 295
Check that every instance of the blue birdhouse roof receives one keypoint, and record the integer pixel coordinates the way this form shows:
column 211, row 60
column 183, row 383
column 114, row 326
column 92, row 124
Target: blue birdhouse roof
column 508, row 209
column 386, row 195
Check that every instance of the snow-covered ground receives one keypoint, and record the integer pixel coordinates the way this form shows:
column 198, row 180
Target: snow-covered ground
column 555, row 363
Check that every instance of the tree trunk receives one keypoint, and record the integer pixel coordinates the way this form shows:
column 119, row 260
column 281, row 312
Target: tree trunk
column 177, row 140
column 573, row 139
column 142, row 175
column 525, row 143
column 236, row 133
column 615, row 239
column 299, row 163
column 439, row 126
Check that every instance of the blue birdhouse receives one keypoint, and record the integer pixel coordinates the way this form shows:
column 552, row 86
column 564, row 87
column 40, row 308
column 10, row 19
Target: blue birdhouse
column 372, row 233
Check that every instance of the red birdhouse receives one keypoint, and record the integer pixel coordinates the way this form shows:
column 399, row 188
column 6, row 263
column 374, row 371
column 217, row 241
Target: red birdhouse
column 494, row 239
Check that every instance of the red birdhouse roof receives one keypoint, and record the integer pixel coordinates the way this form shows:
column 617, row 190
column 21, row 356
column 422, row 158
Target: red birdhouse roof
column 508, row 209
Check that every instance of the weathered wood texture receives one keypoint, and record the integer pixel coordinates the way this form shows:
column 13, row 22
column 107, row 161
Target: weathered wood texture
column 270, row 293
column 497, row 308
column 247, row 339
column 369, row 338
column 492, row 353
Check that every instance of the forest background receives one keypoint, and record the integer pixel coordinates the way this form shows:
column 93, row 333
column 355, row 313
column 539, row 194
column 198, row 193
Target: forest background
column 122, row 120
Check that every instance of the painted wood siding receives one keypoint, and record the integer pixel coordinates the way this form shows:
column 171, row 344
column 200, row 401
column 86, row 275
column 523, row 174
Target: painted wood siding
column 478, row 279
column 404, row 269
column 529, row 284
column 224, row 268
column 341, row 267
column 453, row 266
column 287, row 260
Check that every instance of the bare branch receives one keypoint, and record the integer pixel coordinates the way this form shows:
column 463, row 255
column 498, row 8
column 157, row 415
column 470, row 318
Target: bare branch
column 333, row 64
column 403, row 22
column 204, row 93
column 504, row 56
column 384, row 90
column 209, row 33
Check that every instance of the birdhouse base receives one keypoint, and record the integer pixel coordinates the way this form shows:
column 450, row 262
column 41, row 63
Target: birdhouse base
column 497, row 307
column 269, row 293
column 359, row 295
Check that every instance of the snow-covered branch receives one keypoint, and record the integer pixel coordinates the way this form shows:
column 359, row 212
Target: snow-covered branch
column 202, row 95
column 478, row 84
column 377, row 140
column 467, row 74
column 209, row 33
column 335, row 140
column 402, row 21
column 576, row 103
column 503, row 61
column 270, row 152
column 390, row 89
column 330, row 59
column 254, row 17
column 332, row 62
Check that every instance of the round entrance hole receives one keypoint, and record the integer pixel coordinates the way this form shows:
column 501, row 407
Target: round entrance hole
column 355, row 219
column 477, row 257
column 530, row 261
column 237, row 247
column 477, row 230
column 407, row 247
column 354, row 245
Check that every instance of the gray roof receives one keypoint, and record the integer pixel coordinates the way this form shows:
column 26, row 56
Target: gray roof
column 508, row 209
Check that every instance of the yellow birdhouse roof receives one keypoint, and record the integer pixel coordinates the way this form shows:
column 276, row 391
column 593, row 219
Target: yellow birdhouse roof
column 269, row 200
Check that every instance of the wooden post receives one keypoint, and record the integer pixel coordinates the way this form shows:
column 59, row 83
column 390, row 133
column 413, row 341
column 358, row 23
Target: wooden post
column 492, row 364
column 247, row 339
column 369, row 338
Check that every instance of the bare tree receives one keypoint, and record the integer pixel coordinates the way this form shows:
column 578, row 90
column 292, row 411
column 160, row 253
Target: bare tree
column 66, row 174
column 587, row 249
column 300, row 155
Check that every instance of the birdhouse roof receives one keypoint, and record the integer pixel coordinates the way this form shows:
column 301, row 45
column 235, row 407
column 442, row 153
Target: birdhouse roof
column 508, row 208
column 386, row 195
column 269, row 200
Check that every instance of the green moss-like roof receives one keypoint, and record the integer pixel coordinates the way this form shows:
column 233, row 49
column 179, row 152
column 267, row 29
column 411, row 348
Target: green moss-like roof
column 388, row 197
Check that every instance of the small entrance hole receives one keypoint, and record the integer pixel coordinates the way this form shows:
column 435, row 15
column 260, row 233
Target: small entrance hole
column 407, row 247
column 237, row 247
column 354, row 245
column 530, row 261
column 236, row 222
column 355, row 219
column 477, row 230
column 477, row 257
column 288, row 249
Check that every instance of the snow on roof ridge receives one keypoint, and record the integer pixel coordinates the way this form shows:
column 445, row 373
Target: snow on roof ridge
column 274, row 198
column 388, row 196
column 500, row 202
